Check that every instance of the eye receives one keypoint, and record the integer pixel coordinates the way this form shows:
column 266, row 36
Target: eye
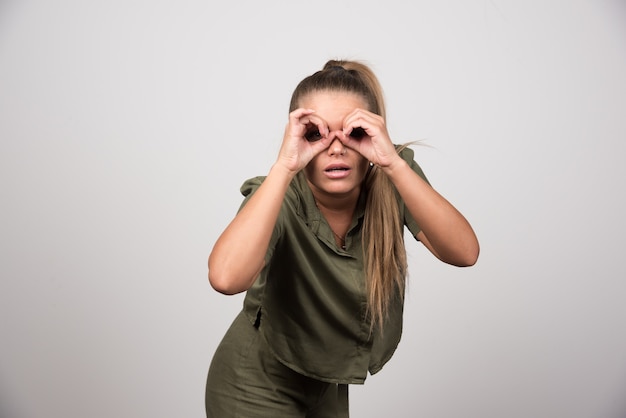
column 313, row 135
column 357, row 133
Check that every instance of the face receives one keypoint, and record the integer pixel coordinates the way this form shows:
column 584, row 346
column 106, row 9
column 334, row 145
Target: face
column 338, row 171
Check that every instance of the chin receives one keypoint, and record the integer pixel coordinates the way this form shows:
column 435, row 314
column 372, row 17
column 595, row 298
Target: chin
column 340, row 188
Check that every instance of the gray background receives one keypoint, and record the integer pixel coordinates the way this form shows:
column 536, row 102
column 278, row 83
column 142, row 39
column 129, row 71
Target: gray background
column 128, row 126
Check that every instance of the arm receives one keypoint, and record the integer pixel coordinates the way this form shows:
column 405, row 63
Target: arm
column 238, row 254
column 444, row 230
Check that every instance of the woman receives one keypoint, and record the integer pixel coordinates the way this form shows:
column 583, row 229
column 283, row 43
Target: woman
column 318, row 246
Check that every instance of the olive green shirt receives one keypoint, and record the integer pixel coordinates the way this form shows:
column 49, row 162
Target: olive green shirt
column 309, row 300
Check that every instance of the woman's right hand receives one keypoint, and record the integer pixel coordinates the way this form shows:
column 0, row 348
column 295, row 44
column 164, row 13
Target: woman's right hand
column 306, row 135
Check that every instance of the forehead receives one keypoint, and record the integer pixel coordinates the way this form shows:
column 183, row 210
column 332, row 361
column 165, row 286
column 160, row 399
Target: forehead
column 333, row 105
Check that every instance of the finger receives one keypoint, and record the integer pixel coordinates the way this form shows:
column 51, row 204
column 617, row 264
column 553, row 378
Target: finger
column 357, row 125
column 296, row 117
column 350, row 142
column 359, row 129
column 365, row 114
column 345, row 139
column 321, row 145
column 318, row 122
column 299, row 113
column 314, row 128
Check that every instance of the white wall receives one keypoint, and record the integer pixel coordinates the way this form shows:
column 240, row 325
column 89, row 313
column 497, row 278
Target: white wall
column 127, row 127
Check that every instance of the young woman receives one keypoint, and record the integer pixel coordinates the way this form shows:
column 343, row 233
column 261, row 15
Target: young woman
column 318, row 246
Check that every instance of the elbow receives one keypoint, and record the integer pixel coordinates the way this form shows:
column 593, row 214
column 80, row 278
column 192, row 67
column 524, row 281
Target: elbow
column 228, row 279
column 219, row 279
column 469, row 256
column 221, row 283
column 465, row 256
column 468, row 262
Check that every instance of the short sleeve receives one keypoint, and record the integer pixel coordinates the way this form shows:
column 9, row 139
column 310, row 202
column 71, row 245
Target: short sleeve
column 407, row 155
column 248, row 189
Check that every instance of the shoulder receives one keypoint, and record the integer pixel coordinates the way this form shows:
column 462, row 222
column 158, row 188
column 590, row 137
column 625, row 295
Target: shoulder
column 405, row 152
column 294, row 195
column 251, row 185
column 408, row 155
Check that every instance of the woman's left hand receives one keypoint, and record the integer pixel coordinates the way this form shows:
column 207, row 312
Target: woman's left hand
column 366, row 133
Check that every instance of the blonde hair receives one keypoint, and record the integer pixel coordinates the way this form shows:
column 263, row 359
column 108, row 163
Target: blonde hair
column 383, row 229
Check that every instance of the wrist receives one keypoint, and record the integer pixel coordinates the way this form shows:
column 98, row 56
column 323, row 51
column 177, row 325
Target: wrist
column 396, row 166
column 281, row 171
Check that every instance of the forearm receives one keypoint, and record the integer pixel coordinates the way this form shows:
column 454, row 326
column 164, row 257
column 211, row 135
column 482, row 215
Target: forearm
column 449, row 234
column 238, row 254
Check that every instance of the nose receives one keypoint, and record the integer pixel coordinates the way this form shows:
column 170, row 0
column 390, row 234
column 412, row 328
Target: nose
column 336, row 147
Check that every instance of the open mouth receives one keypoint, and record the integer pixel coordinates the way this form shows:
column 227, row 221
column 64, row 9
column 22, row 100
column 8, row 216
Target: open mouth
column 337, row 171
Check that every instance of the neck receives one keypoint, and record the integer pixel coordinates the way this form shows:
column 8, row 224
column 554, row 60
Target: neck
column 338, row 212
column 334, row 204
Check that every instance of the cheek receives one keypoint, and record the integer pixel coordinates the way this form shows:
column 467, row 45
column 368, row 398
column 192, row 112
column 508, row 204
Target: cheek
column 308, row 171
column 363, row 167
column 310, row 168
